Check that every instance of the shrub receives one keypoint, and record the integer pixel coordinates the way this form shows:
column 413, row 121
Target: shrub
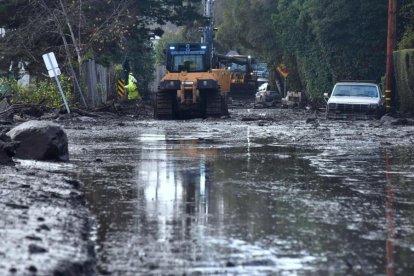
column 44, row 92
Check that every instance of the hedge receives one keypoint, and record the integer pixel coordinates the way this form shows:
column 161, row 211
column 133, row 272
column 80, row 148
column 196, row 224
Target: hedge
column 404, row 76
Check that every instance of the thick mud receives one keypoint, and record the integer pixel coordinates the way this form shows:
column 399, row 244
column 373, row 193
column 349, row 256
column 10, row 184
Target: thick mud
column 264, row 192
column 45, row 226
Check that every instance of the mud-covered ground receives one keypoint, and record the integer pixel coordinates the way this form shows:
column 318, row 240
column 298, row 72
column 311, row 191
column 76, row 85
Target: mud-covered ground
column 263, row 192
column 45, row 227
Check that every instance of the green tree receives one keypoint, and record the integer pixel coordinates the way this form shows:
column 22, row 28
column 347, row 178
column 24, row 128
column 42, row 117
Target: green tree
column 189, row 33
column 320, row 41
column 246, row 27
column 333, row 40
column 168, row 37
column 406, row 24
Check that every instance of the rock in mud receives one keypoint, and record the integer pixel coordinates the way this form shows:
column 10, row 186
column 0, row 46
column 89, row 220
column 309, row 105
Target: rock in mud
column 40, row 140
column 7, row 150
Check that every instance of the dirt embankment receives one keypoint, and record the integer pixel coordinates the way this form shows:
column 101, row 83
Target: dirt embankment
column 45, row 227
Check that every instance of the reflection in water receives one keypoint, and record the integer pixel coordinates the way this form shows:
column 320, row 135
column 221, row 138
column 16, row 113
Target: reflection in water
column 203, row 196
column 249, row 144
column 165, row 186
column 172, row 201
column 158, row 185
column 390, row 219
column 174, row 204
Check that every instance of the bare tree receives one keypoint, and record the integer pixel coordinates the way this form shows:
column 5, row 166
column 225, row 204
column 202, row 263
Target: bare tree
column 75, row 29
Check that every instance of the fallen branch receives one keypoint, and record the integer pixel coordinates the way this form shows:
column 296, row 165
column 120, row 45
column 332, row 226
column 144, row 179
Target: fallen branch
column 13, row 108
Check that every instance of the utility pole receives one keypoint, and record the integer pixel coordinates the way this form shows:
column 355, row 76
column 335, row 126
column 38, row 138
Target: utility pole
column 391, row 40
column 208, row 30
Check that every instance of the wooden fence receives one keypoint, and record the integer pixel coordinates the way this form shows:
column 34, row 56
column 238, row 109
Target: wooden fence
column 99, row 83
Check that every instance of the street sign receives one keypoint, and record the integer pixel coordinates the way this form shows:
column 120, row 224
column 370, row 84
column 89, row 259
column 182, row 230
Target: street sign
column 121, row 88
column 54, row 71
column 283, row 71
column 51, row 64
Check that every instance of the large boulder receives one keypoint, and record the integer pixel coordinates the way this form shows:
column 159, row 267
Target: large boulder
column 40, row 140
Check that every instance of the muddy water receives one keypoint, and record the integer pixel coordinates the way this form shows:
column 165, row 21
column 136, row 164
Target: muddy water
column 235, row 198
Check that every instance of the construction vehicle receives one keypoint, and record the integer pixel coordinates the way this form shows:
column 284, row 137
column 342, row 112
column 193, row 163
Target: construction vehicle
column 243, row 80
column 193, row 86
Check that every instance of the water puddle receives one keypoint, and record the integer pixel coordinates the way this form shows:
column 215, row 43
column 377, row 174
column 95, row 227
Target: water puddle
column 169, row 201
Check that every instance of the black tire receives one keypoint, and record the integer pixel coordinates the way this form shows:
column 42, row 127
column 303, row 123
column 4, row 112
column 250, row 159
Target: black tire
column 381, row 112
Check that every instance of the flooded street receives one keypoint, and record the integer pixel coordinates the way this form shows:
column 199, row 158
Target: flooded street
column 241, row 197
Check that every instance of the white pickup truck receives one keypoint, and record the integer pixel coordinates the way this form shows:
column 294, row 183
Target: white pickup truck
column 360, row 100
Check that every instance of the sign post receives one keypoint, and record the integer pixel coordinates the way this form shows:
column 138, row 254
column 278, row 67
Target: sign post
column 284, row 72
column 54, row 72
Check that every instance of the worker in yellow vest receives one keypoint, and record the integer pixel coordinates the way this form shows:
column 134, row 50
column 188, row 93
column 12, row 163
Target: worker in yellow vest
column 133, row 93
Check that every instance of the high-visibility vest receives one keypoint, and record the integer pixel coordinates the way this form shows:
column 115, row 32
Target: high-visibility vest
column 133, row 93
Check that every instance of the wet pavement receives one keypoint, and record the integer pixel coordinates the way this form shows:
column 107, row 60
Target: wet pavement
column 266, row 194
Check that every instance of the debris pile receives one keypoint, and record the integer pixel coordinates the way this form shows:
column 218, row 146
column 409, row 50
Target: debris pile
column 18, row 113
column 293, row 99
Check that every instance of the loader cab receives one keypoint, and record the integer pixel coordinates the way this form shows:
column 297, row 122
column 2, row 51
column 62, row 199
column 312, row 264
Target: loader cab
column 188, row 57
column 239, row 65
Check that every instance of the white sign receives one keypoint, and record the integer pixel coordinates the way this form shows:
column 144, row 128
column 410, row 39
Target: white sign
column 51, row 64
column 54, row 71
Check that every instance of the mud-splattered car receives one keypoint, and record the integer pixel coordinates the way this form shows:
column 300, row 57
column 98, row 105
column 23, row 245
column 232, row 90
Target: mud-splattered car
column 266, row 96
column 359, row 100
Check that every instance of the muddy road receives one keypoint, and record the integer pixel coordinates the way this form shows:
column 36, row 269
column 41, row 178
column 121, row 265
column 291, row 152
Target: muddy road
column 265, row 192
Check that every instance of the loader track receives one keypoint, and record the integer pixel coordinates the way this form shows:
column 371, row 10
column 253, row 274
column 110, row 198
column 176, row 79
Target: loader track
column 164, row 106
column 213, row 104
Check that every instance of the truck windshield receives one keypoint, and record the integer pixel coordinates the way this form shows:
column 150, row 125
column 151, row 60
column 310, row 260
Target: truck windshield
column 355, row 91
column 189, row 63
